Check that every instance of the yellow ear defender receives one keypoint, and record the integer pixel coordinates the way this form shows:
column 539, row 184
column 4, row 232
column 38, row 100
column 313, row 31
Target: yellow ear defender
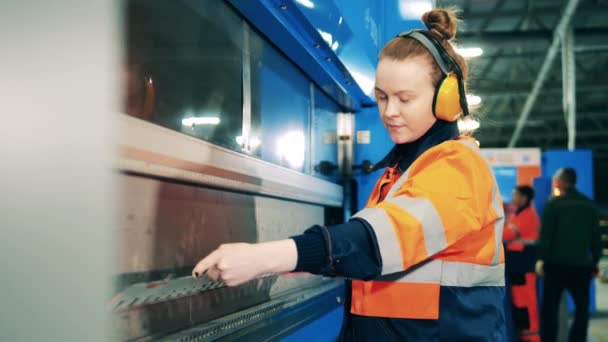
column 450, row 101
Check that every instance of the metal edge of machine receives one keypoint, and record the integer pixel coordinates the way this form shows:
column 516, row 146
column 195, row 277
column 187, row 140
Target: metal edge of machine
column 152, row 150
column 268, row 321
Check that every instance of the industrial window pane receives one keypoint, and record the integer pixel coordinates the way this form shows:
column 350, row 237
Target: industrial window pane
column 183, row 67
column 280, row 108
column 324, row 151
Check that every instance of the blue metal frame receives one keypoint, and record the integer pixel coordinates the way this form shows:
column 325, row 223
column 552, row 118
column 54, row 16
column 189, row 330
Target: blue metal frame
column 281, row 22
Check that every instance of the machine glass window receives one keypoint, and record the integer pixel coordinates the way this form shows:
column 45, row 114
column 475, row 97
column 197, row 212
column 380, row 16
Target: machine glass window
column 182, row 68
column 324, row 151
column 280, row 111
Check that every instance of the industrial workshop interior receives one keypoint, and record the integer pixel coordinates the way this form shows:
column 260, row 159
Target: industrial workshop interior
column 304, row 170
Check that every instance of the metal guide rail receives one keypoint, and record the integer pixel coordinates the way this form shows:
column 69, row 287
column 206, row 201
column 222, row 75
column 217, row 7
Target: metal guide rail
column 261, row 322
column 147, row 311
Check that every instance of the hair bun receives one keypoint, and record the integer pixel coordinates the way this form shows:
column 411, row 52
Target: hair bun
column 443, row 21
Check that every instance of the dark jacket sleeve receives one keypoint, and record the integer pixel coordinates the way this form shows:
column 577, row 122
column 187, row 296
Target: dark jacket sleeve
column 347, row 250
column 596, row 238
column 547, row 231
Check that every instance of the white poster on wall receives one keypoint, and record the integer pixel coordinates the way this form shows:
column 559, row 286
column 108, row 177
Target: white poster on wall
column 512, row 156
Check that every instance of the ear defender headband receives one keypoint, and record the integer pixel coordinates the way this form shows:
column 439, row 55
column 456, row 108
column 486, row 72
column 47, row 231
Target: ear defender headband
column 450, row 100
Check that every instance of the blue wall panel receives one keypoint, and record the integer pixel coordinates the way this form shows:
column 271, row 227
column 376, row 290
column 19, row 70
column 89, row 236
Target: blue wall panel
column 506, row 177
column 580, row 160
column 401, row 16
column 542, row 192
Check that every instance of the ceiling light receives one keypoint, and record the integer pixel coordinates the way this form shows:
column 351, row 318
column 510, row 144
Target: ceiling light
column 201, row 120
column 469, row 52
column 468, row 125
column 473, row 100
column 414, row 9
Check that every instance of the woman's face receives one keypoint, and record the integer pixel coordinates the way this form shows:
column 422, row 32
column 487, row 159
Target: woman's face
column 518, row 199
column 404, row 91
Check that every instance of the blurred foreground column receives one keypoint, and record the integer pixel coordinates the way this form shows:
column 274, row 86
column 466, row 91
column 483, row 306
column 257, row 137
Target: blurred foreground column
column 58, row 91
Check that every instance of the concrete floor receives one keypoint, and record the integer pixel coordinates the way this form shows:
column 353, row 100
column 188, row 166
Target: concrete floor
column 598, row 326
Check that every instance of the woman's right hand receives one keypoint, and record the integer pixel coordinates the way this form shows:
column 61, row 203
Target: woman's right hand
column 237, row 263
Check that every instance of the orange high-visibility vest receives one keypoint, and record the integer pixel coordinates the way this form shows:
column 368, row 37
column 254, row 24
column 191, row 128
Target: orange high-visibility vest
column 440, row 224
column 522, row 230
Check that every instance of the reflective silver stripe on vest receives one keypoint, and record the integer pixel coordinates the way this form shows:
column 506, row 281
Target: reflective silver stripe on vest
column 496, row 205
column 449, row 273
column 388, row 241
column 498, row 225
column 526, row 242
column 423, row 210
column 398, row 183
column 468, row 275
column 427, row 272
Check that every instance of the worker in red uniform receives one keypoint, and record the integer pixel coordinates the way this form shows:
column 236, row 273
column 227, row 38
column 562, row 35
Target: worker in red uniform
column 521, row 236
column 425, row 254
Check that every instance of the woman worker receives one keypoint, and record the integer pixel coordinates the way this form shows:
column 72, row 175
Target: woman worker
column 425, row 254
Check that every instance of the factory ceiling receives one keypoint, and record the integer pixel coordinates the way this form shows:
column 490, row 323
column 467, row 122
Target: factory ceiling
column 516, row 36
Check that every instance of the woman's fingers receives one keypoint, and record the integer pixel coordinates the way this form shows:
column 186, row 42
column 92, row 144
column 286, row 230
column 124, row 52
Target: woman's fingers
column 214, row 274
column 237, row 263
column 205, row 264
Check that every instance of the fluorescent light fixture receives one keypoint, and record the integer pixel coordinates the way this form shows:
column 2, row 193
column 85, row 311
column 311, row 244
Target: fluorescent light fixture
column 414, row 9
column 469, row 52
column 468, row 125
column 254, row 142
column 327, row 37
column 306, row 3
column 291, row 148
column 201, row 120
column 473, row 100
column 335, row 45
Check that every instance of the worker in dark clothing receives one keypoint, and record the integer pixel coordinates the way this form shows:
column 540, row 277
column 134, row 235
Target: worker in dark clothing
column 570, row 248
